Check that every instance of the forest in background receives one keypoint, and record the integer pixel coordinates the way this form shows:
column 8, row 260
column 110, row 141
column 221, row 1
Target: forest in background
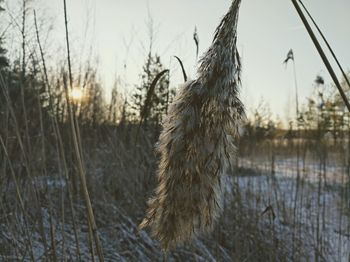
column 76, row 170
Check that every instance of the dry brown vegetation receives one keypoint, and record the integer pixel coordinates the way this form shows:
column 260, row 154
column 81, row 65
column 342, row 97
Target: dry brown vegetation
column 286, row 199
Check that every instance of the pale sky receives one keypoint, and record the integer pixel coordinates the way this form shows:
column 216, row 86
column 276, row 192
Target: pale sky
column 117, row 32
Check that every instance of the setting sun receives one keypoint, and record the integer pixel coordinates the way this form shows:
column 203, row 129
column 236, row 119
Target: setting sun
column 76, row 94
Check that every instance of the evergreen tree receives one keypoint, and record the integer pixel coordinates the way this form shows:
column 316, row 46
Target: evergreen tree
column 4, row 63
column 159, row 103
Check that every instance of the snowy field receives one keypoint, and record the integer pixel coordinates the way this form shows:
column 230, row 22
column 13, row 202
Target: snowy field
column 311, row 207
column 307, row 212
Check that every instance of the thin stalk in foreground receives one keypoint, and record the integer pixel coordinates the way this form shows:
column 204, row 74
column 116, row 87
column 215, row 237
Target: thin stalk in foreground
column 58, row 137
column 78, row 153
column 326, row 42
column 322, row 54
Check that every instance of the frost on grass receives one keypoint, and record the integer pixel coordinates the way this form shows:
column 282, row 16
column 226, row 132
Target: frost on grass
column 197, row 142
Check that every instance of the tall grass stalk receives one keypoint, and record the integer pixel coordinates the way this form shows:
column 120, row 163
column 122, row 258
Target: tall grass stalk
column 23, row 74
column 327, row 43
column 322, row 54
column 60, row 147
column 78, row 152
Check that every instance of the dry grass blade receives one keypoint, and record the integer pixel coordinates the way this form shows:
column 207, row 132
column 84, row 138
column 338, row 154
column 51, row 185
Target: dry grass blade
column 58, row 137
column 326, row 42
column 182, row 68
column 77, row 150
column 150, row 94
column 196, row 41
column 322, row 54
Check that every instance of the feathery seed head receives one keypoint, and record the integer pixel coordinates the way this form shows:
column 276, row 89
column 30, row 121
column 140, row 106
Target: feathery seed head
column 221, row 61
column 197, row 143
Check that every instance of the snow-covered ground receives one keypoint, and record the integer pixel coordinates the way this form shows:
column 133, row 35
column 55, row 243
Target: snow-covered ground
column 310, row 212
column 310, row 170
column 313, row 208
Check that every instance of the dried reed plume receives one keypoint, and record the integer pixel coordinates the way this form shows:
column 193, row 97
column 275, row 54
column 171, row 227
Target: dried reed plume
column 198, row 141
